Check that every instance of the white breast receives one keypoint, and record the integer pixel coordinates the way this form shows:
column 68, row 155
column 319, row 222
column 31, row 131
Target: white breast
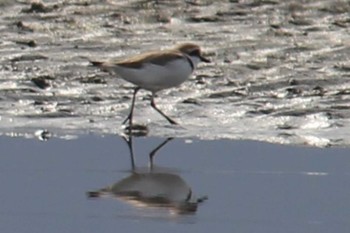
column 154, row 77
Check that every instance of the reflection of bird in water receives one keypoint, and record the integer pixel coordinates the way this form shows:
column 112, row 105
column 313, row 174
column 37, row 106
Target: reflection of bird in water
column 153, row 188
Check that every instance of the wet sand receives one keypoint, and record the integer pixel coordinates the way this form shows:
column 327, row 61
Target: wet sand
column 280, row 70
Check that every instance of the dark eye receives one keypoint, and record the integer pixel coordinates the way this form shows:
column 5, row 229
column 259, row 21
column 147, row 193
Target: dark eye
column 194, row 53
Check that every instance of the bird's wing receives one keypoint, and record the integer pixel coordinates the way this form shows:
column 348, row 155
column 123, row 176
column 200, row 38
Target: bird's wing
column 156, row 58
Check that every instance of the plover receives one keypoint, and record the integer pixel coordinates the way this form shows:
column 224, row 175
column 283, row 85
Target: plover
column 156, row 70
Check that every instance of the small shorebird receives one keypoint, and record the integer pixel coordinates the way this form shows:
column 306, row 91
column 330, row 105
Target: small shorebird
column 155, row 71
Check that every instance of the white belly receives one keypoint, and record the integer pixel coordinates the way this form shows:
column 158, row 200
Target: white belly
column 154, row 77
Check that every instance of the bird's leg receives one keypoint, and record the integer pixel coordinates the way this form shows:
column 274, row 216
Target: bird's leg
column 155, row 150
column 130, row 115
column 171, row 121
column 128, row 140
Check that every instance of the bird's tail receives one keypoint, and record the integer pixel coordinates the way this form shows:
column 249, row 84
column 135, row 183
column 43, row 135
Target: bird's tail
column 96, row 63
column 103, row 66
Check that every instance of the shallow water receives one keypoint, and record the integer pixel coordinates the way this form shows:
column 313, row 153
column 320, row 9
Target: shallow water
column 280, row 70
column 250, row 186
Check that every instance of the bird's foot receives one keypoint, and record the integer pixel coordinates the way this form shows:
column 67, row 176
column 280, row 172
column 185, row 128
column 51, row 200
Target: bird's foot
column 171, row 121
column 136, row 130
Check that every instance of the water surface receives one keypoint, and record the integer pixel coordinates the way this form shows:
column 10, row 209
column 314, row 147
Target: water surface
column 250, row 186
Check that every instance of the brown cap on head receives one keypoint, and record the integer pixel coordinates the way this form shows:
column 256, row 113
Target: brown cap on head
column 191, row 50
